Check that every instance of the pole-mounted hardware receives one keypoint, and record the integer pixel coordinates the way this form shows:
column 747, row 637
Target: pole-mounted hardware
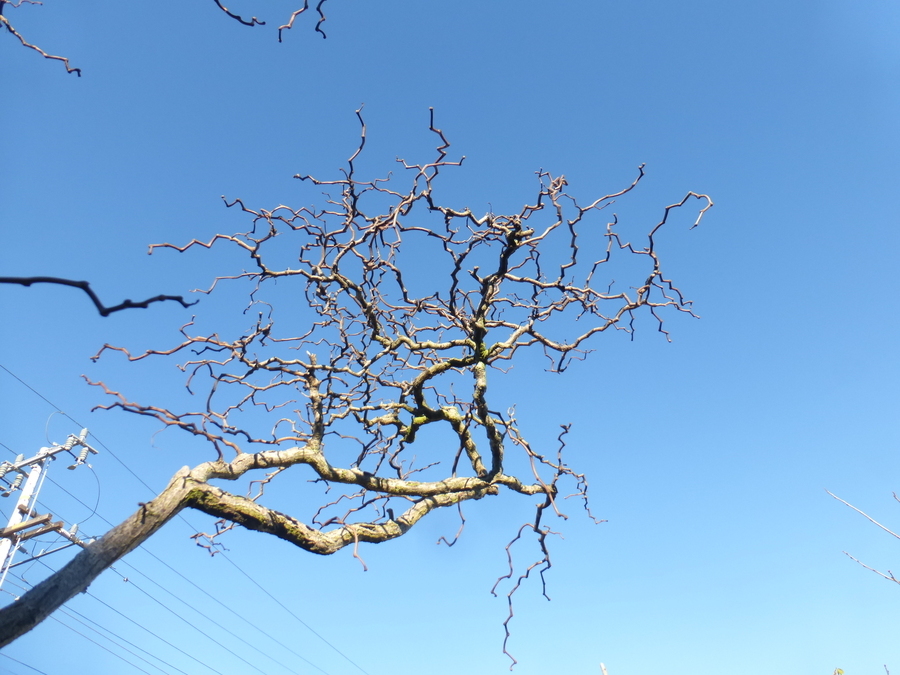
column 25, row 523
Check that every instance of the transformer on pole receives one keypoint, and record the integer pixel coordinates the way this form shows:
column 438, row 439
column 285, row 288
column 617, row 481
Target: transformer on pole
column 25, row 522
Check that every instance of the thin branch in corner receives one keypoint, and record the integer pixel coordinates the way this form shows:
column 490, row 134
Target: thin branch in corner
column 86, row 287
column 9, row 27
column 889, row 576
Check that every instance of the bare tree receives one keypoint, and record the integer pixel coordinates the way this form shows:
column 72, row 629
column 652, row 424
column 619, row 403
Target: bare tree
column 383, row 397
column 252, row 21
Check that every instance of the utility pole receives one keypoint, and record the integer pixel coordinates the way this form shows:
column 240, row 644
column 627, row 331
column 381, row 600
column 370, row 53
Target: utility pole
column 25, row 523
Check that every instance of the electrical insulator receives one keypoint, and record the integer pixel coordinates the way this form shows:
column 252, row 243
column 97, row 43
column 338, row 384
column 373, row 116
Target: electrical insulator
column 15, row 485
column 85, row 448
column 81, row 457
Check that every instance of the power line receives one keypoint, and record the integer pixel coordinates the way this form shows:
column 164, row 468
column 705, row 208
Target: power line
column 63, row 412
column 235, row 613
column 172, row 611
column 32, row 389
column 93, row 509
column 118, row 656
column 214, row 622
column 23, row 664
column 90, row 627
column 69, row 609
column 124, row 616
column 208, row 618
column 284, row 607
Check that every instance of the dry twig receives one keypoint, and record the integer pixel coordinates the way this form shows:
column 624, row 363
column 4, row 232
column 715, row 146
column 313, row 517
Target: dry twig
column 5, row 22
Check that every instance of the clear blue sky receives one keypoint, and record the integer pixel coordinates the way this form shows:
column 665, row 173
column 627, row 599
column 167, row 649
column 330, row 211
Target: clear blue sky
column 709, row 456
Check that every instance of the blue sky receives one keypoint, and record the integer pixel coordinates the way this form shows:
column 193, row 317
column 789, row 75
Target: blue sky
column 709, row 456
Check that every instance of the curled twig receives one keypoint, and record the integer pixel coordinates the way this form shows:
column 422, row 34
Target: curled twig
column 252, row 22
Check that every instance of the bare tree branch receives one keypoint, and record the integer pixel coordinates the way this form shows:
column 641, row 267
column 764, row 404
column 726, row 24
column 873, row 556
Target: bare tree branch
column 865, row 515
column 4, row 21
column 86, row 287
